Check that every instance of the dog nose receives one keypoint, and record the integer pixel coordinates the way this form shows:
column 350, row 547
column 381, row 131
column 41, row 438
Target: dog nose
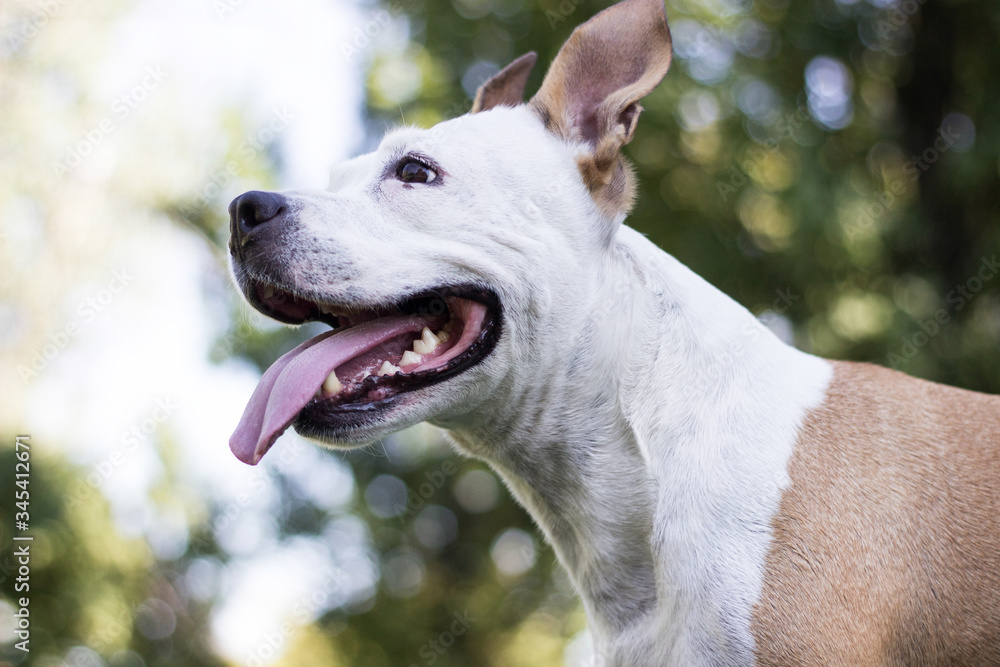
column 252, row 209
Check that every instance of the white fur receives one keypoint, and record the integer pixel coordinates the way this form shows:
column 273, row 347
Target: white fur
column 643, row 418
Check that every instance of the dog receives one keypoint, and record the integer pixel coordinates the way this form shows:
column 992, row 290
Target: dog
column 716, row 496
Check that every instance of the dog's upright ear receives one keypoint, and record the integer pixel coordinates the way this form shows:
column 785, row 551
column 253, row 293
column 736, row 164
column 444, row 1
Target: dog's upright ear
column 506, row 87
column 592, row 90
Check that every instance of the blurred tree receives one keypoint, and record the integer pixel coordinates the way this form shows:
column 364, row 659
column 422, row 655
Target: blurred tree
column 94, row 595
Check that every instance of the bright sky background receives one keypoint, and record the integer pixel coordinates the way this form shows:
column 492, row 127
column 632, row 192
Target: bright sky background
column 144, row 361
column 256, row 56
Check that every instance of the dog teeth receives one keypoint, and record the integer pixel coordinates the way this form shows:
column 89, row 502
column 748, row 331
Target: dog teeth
column 427, row 342
column 409, row 359
column 387, row 369
column 331, row 385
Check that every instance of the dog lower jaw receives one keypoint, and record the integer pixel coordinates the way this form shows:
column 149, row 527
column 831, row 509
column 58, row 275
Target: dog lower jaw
column 445, row 406
column 315, row 422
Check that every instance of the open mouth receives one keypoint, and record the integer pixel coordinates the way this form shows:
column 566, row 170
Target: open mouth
column 348, row 378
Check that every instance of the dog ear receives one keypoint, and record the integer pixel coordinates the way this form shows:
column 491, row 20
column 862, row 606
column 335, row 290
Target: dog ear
column 592, row 90
column 506, row 87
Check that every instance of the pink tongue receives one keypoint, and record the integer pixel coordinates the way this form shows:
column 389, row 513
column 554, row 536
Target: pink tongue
column 293, row 380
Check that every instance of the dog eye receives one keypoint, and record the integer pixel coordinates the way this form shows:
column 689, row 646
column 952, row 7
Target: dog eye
column 412, row 171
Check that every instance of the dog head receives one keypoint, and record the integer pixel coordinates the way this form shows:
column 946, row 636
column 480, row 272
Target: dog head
column 449, row 260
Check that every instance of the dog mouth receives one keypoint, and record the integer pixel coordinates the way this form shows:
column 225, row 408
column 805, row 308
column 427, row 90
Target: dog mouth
column 347, row 379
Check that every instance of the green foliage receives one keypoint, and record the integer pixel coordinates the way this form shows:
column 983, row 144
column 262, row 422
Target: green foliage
column 91, row 591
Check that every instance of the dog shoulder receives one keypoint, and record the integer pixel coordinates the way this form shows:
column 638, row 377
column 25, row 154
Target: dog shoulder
column 887, row 541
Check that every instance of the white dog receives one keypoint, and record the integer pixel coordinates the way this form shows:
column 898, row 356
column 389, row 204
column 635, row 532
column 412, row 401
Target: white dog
column 717, row 497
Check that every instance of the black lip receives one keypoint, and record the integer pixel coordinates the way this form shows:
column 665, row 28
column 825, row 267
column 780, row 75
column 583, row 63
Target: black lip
column 251, row 284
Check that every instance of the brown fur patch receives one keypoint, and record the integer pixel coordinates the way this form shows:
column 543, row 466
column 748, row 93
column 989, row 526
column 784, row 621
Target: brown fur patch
column 605, row 171
column 611, row 182
column 887, row 542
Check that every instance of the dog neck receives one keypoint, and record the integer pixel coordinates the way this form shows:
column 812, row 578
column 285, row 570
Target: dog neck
column 653, row 455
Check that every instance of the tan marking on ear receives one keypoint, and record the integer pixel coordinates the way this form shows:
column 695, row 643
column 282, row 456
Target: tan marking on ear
column 506, row 87
column 592, row 90
column 887, row 542
column 610, row 179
